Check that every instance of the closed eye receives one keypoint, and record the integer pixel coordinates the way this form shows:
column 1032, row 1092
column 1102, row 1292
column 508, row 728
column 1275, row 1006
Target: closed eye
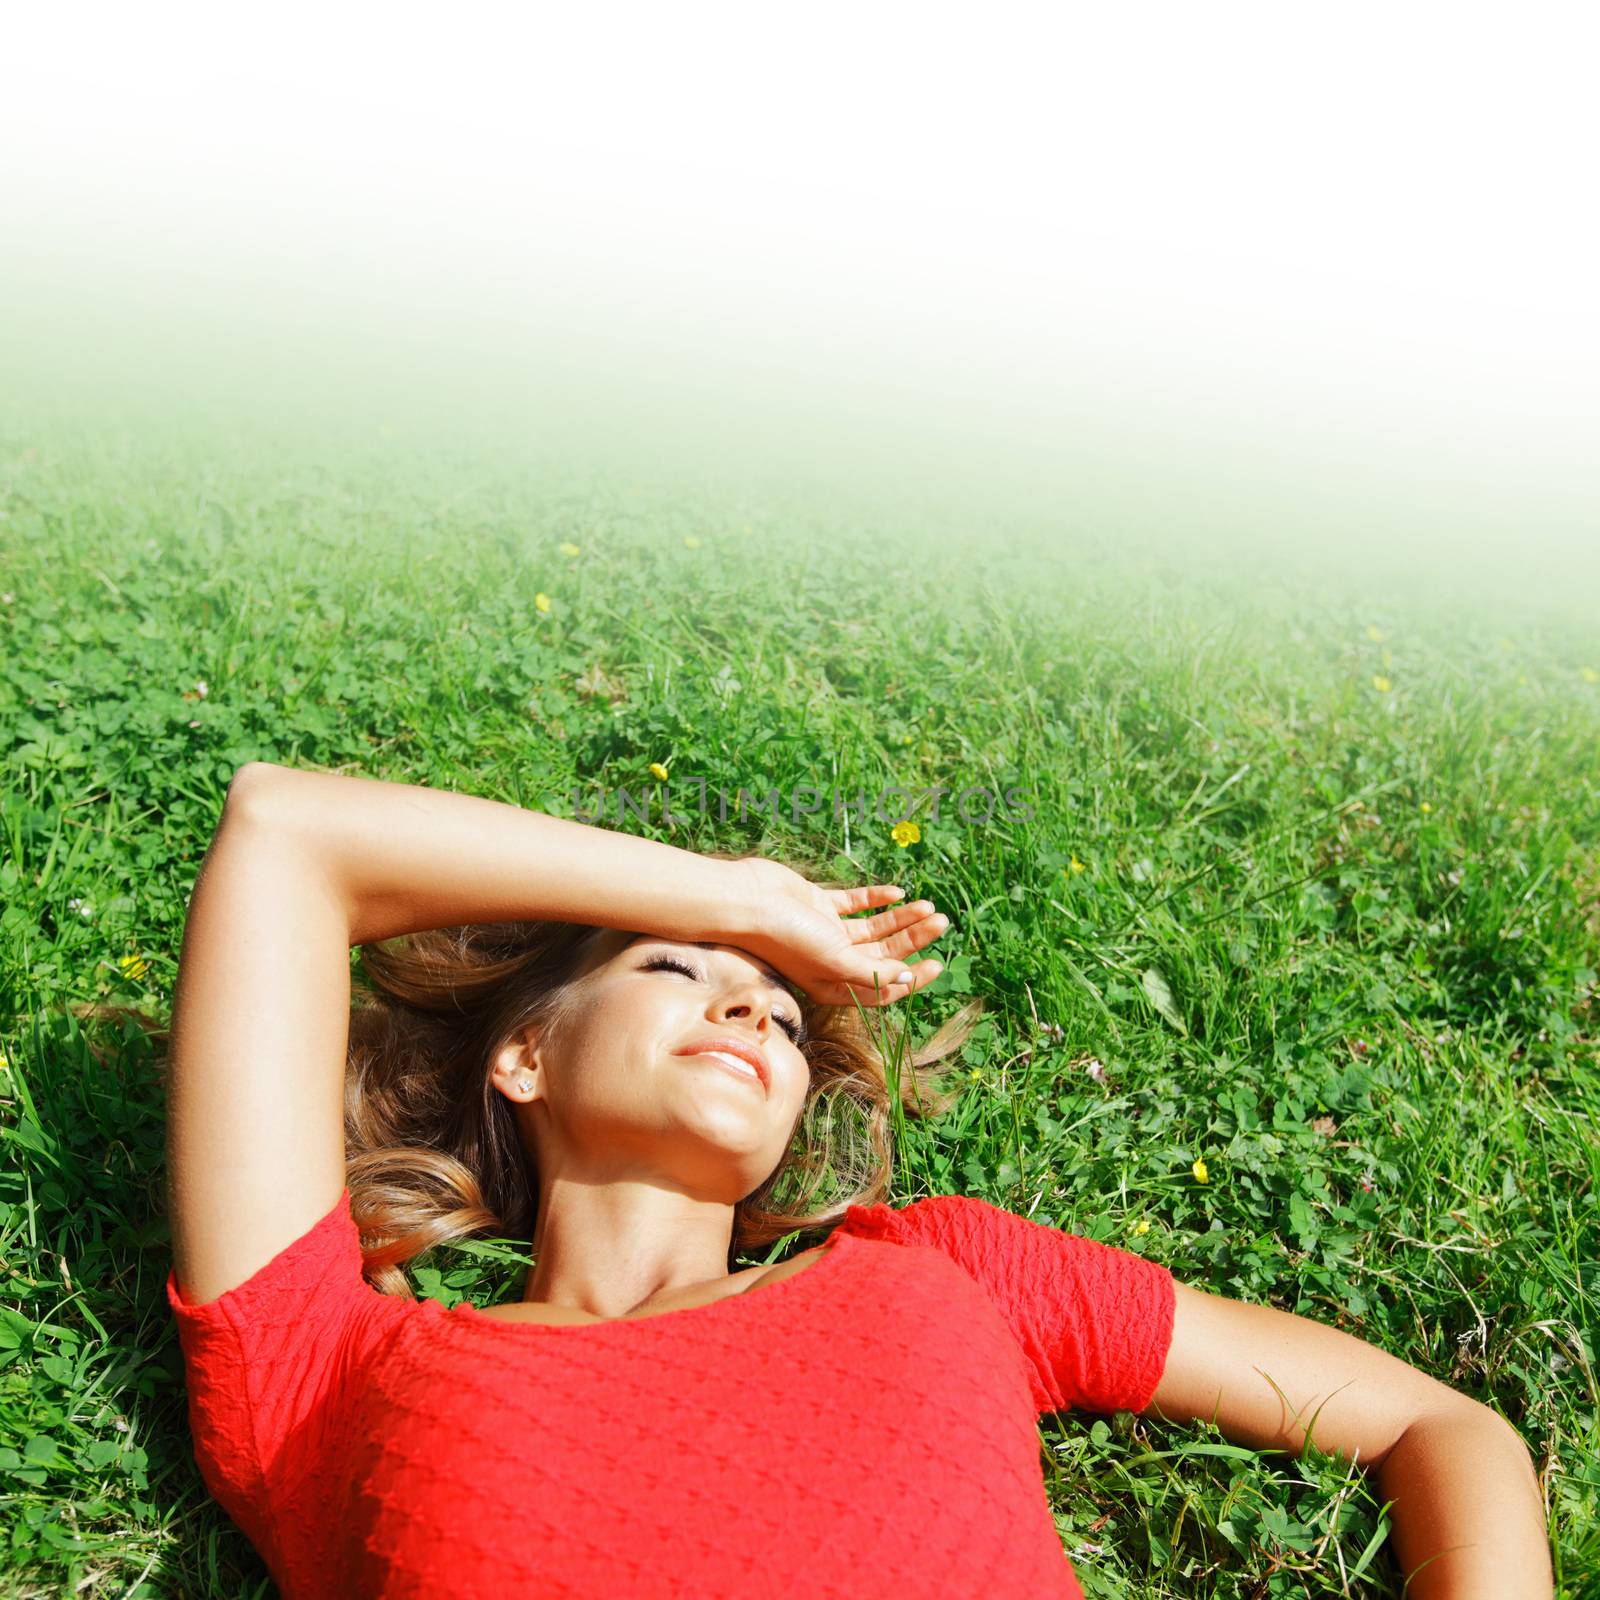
column 794, row 1029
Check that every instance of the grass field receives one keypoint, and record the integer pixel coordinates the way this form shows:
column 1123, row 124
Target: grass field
column 1300, row 885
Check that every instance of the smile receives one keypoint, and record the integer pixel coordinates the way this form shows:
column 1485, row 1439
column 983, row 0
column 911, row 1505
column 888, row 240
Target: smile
column 733, row 1063
column 743, row 1056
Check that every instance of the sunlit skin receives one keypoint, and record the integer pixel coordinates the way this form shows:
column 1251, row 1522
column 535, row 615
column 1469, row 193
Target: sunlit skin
column 642, row 1154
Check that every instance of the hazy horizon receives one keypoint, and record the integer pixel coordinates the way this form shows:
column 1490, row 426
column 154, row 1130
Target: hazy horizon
column 1266, row 287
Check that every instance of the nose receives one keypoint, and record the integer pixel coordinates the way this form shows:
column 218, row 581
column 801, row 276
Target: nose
column 747, row 1002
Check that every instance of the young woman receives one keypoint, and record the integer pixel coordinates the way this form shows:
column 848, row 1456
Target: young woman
column 624, row 1049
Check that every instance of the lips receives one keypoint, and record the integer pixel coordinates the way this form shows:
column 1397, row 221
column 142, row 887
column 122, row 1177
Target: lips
column 741, row 1049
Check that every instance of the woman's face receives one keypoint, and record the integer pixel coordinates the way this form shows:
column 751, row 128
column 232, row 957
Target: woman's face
column 627, row 1090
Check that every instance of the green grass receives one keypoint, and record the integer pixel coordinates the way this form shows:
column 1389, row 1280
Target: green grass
column 1338, row 941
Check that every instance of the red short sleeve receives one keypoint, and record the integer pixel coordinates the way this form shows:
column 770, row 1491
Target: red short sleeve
column 270, row 1362
column 1094, row 1322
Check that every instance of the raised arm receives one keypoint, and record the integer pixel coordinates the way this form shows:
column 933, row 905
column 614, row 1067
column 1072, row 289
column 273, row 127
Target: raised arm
column 304, row 865
column 1468, row 1518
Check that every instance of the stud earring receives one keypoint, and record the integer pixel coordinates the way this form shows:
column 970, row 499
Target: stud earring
column 526, row 1085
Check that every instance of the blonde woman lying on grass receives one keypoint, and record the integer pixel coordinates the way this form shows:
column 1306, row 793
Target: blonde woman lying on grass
column 633, row 1055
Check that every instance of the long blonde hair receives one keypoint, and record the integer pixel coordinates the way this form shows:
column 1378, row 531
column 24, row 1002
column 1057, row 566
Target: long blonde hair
column 432, row 1151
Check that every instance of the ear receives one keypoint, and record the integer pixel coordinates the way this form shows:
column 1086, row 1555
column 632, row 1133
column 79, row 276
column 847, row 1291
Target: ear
column 518, row 1070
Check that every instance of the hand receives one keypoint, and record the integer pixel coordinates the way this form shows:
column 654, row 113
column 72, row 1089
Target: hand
column 805, row 932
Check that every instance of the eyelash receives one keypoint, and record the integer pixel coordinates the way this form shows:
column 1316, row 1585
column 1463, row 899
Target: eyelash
column 656, row 963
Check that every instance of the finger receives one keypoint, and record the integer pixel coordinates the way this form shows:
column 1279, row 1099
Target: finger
column 919, row 976
column 899, row 980
column 876, row 987
column 865, row 930
column 917, row 936
column 859, row 899
column 906, row 982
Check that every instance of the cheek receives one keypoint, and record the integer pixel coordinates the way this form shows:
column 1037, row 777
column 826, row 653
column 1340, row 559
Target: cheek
column 619, row 1039
column 797, row 1082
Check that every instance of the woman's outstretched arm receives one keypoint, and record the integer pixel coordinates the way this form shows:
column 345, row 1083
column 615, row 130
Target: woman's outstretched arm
column 1469, row 1521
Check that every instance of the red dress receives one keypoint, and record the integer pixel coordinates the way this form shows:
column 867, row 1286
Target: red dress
column 865, row 1426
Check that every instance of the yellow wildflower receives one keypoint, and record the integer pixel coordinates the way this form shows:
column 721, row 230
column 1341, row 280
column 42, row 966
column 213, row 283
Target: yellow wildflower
column 904, row 833
column 1200, row 1175
column 658, row 771
column 1374, row 634
column 690, row 542
column 568, row 548
column 1142, row 1226
column 1381, row 683
column 541, row 602
column 1589, row 675
column 1075, row 865
column 1426, row 807
column 977, row 1072
column 132, row 967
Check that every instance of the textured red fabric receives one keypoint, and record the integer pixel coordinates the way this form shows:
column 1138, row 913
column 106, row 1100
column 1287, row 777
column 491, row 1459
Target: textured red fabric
column 864, row 1426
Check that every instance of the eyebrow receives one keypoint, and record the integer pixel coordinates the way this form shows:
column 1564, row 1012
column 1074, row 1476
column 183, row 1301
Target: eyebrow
column 768, row 976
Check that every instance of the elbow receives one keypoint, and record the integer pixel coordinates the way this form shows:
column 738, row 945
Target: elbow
column 1492, row 1422
column 248, row 785
column 1514, row 1440
column 1462, row 1417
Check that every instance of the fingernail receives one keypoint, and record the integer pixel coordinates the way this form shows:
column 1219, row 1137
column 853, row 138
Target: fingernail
column 904, row 977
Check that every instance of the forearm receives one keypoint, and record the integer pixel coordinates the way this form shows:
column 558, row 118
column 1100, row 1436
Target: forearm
column 1465, row 1494
column 401, row 857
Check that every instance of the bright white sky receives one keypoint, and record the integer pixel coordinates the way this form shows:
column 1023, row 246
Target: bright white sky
column 1370, row 222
